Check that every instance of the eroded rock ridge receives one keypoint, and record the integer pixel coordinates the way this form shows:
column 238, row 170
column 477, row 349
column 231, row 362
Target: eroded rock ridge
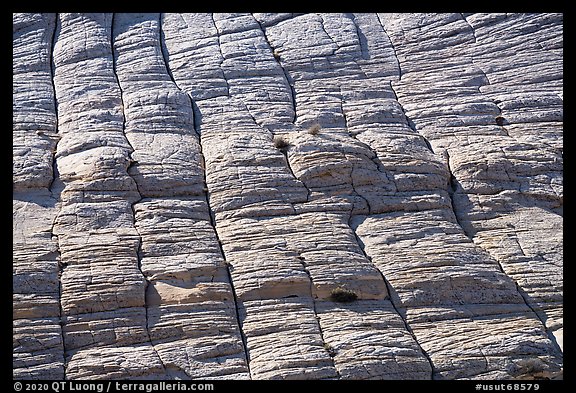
column 190, row 191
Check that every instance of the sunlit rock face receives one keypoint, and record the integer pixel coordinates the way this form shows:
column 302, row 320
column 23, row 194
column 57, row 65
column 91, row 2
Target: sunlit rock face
column 287, row 196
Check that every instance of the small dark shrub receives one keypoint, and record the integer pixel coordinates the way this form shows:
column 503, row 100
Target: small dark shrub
column 280, row 142
column 500, row 120
column 331, row 351
column 342, row 295
column 314, row 130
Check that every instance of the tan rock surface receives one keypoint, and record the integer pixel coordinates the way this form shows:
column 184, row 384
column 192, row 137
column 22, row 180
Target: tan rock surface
column 193, row 191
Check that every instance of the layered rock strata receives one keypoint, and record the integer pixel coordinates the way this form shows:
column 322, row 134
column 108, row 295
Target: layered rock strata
column 192, row 191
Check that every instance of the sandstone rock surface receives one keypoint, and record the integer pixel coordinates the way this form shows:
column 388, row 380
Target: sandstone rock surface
column 191, row 191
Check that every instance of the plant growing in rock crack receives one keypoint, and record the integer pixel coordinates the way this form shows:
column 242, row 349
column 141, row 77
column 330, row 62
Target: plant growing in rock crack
column 314, row 129
column 529, row 366
column 330, row 349
column 276, row 54
column 280, row 143
column 342, row 295
column 500, row 120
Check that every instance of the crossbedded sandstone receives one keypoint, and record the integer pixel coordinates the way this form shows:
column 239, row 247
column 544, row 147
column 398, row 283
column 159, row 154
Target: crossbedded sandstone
column 443, row 282
column 189, row 299
column 507, row 183
column 38, row 351
column 102, row 288
column 218, row 177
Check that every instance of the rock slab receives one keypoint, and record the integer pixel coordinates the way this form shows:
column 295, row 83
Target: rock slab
column 287, row 196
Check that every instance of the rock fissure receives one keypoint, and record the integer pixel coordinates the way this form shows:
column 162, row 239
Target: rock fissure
column 393, row 49
column 287, row 161
column 286, row 75
column 316, row 317
column 497, row 201
column 163, row 51
column 55, row 195
column 452, row 190
column 212, row 218
column 471, row 28
column 218, row 36
column 282, row 196
column 323, row 27
column 138, row 200
column 525, row 296
column 391, row 292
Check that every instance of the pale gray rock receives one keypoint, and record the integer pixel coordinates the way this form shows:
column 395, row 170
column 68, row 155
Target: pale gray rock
column 234, row 61
column 438, row 263
column 360, row 102
column 198, row 337
column 191, row 315
column 35, row 256
column 159, row 120
column 98, row 246
column 191, row 191
column 270, row 18
column 368, row 340
column 190, row 309
column 284, row 340
column 97, row 239
column 135, row 362
column 120, row 327
column 436, row 268
column 34, row 121
column 270, row 252
column 511, row 87
column 244, row 169
column 38, row 351
column 491, row 346
column 93, row 153
column 308, row 254
column 178, row 241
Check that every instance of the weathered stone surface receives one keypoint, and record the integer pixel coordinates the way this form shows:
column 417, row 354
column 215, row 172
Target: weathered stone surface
column 192, row 191
column 449, row 284
column 116, row 362
column 37, row 335
column 190, row 310
column 37, row 348
column 506, row 182
column 284, row 340
column 277, row 257
column 368, row 340
column 159, row 121
column 38, row 351
column 34, row 116
column 102, row 288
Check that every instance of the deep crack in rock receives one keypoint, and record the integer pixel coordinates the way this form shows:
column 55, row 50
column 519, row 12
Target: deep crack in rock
column 163, row 230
